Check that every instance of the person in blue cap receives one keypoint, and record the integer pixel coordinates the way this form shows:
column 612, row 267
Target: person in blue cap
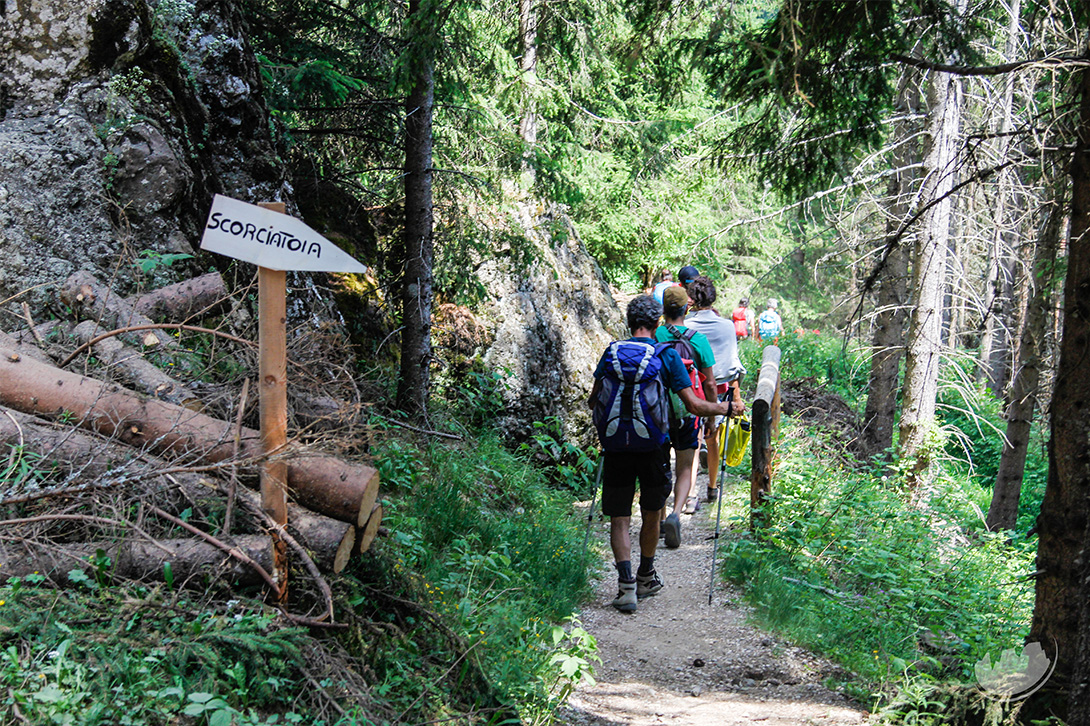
column 686, row 275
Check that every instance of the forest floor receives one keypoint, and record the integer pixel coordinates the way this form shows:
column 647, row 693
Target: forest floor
column 679, row 660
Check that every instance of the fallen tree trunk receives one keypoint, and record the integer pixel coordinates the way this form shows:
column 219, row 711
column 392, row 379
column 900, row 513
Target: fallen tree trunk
column 83, row 293
column 145, row 560
column 23, row 345
column 183, row 300
column 325, row 484
column 135, row 369
column 94, row 458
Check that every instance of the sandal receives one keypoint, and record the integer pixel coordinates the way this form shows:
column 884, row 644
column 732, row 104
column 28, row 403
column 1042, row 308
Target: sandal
column 692, row 505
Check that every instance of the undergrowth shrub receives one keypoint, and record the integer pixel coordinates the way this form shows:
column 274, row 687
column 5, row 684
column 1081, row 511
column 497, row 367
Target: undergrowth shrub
column 496, row 553
column 131, row 655
column 973, row 420
column 817, row 356
column 887, row 584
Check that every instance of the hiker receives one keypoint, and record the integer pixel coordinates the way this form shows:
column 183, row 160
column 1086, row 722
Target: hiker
column 728, row 369
column 743, row 319
column 686, row 275
column 629, row 399
column 693, row 347
column 667, row 281
column 769, row 325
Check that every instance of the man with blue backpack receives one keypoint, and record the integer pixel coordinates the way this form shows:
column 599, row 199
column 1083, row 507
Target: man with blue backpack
column 630, row 401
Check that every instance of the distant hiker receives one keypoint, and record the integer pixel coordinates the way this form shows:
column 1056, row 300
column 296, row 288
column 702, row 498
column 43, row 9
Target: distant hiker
column 686, row 275
column 728, row 367
column 743, row 319
column 667, row 281
column 694, row 349
column 629, row 399
column 769, row 325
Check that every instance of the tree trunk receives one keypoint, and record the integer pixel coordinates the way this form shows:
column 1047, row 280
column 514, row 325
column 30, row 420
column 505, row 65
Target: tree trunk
column 416, row 300
column 1063, row 523
column 189, row 559
column 994, row 362
column 83, row 293
column 133, row 368
column 183, row 300
column 1003, row 511
column 529, row 124
column 892, row 294
column 924, row 346
column 322, row 483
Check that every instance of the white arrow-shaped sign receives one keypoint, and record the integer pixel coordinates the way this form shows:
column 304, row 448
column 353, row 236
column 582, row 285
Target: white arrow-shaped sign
column 269, row 239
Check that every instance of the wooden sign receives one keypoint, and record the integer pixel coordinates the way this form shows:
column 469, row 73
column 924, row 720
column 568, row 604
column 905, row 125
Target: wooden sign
column 271, row 239
column 276, row 243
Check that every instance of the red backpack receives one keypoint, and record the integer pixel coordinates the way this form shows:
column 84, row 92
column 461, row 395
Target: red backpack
column 741, row 330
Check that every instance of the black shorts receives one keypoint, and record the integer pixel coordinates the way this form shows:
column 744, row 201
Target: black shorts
column 619, row 475
column 685, row 435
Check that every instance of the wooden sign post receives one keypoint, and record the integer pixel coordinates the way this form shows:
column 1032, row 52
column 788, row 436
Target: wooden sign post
column 264, row 235
column 272, row 330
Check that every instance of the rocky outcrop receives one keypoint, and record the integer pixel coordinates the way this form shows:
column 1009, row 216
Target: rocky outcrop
column 119, row 120
column 551, row 315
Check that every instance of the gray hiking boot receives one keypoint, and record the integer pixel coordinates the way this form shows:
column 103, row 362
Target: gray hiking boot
column 672, row 531
column 626, row 597
column 648, row 585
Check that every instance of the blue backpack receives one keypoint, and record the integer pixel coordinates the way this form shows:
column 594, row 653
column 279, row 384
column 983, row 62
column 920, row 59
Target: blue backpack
column 632, row 409
column 767, row 326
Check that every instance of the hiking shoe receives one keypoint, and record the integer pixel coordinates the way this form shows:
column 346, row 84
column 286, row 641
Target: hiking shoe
column 626, row 597
column 672, row 531
column 648, row 585
column 703, row 456
column 713, row 494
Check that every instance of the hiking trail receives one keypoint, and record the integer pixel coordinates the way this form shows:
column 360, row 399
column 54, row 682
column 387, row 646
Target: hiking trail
column 678, row 660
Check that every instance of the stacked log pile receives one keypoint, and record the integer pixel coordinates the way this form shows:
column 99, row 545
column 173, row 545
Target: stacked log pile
column 143, row 431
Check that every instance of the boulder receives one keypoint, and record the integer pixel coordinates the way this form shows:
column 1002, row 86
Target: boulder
column 551, row 314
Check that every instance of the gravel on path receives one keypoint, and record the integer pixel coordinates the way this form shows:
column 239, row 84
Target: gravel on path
column 679, row 660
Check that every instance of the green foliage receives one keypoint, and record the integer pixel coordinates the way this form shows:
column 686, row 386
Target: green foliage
column 98, row 654
column 975, row 426
column 497, row 552
column 563, row 463
column 818, row 77
column 854, row 567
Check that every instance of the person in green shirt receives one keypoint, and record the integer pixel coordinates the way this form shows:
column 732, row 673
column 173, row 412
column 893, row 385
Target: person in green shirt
column 684, row 429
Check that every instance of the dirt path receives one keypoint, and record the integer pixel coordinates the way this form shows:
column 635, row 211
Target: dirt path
column 678, row 660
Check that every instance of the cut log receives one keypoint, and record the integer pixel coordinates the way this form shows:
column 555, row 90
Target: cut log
column 316, row 532
column 52, row 333
column 181, row 301
column 322, row 483
column 190, row 559
column 23, row 345
column 134, row 368
column 369, row 531
column 86, row 295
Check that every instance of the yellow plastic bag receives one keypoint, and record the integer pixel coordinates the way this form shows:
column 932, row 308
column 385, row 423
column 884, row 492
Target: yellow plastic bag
column 738, row 432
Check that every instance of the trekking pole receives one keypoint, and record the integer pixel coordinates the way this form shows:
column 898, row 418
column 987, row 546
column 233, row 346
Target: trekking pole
column 718, row 503
column 593, row 499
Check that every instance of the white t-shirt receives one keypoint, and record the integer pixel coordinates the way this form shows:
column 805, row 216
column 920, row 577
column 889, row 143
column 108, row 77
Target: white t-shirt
column 723, row 340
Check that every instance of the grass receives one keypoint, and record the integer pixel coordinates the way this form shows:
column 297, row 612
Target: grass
column 858, row 569
column 496, row 550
